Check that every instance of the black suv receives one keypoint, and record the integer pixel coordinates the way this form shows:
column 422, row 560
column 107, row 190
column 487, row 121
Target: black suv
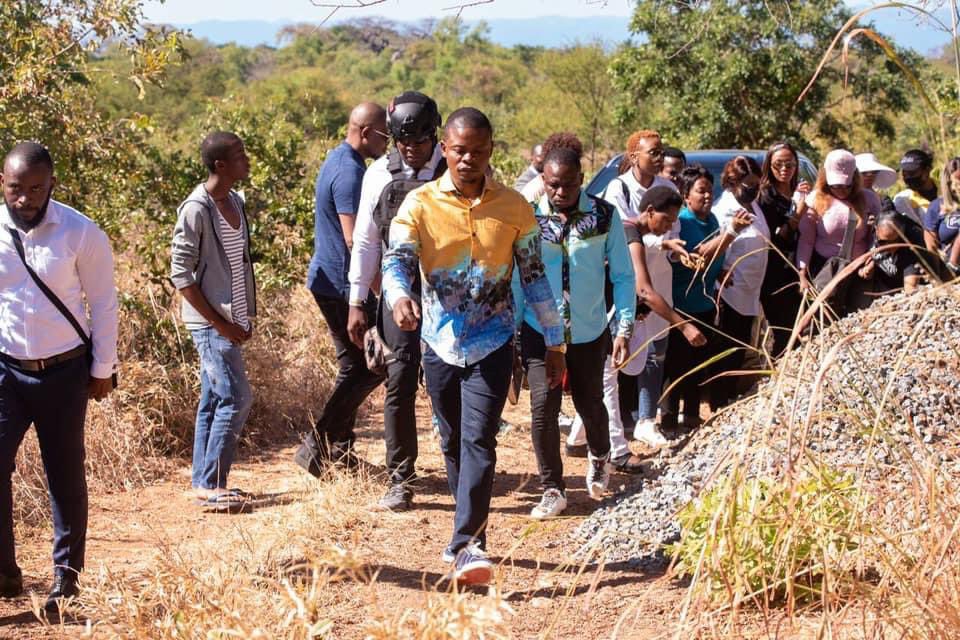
column 713, row 159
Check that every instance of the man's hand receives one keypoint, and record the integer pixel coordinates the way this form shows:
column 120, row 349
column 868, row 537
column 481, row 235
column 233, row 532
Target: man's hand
column 406, row 314
column 233, row 332
column 693, row 335
column 555, row 363
column 356, row 325
column 99, row 388
column 621, row 351
column 866, row 271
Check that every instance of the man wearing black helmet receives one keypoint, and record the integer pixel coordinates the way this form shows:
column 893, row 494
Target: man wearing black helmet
column 412, row 120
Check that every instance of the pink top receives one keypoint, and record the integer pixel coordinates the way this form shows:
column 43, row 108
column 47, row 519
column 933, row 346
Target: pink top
column 824, row 234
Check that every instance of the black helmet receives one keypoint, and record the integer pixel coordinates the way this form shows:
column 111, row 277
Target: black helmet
column 413, row 115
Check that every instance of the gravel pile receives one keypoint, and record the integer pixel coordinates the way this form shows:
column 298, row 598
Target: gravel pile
column 882, row 387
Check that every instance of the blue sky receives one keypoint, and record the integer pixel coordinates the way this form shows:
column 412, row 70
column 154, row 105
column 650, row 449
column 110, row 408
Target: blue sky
column 186, row 11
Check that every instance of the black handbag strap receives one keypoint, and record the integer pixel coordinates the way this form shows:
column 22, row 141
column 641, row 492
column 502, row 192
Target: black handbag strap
column 62, row 308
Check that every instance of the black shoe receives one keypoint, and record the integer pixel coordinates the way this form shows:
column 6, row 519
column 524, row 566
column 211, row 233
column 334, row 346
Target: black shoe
column 399, row 497
column 577, row 450
column 11, row 586
column 64, row 587
column 310, row 460
column 628, row 463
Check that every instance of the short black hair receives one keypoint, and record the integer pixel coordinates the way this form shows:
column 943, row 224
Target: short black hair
column 563, row 157
column 468, row 118
column 216, row 146
column 690, row 175
column 31, row 153
column 660, row 198
column 673, row 152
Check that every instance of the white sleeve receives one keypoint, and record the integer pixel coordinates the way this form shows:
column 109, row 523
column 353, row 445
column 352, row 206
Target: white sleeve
column 367, row 242
column 95, row 270
column 614, row 195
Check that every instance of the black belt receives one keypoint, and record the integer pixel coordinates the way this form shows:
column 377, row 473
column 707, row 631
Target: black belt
column 44, row 363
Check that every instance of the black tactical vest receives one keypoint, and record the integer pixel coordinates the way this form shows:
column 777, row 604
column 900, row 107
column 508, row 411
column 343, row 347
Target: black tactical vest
column 393, row 194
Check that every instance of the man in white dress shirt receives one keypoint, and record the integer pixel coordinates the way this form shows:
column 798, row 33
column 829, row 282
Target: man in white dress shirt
column 50, row 364
column 412, row 119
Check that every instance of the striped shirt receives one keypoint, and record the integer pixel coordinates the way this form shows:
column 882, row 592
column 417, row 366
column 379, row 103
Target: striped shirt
column 234, row 243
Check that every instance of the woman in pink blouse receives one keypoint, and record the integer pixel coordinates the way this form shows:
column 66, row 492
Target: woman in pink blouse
column 825, row 213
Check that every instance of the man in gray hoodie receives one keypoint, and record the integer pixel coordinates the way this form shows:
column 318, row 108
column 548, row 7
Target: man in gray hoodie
column 210, row 266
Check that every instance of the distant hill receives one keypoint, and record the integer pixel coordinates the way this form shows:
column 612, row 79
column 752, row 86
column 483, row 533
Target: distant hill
column 558, row 31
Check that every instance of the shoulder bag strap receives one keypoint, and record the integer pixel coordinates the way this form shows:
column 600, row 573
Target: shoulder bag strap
column 847, row 249
column 62, row 308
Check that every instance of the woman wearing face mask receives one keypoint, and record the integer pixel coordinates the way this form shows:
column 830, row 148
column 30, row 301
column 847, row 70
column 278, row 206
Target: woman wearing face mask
column 780, row 190
column 744, row 268
column 694, row 292
column 941, row 221
column 825, row 213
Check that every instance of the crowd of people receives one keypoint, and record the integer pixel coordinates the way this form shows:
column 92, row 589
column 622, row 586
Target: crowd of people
column 642, row 302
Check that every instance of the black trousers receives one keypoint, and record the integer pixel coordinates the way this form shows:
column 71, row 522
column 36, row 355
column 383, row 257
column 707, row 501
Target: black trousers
column 334, row 428
column 585, row 373
column 739, row 328
column 399, row 406
column 780, row 308
column 682, row 358
column 55, row 402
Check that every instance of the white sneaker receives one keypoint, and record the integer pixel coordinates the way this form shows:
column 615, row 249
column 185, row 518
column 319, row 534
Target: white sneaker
column 648, row 432
column 552, row 504
column 598, row 475
column 449, row 556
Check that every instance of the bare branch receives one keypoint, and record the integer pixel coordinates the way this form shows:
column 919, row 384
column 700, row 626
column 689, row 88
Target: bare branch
column 336, row 6
column 460, row 7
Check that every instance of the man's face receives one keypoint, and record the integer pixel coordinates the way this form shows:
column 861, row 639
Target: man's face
column 375, row 139
column 661, row 222
column 648, row 157
column 26, row 189
column 236, row 166
column 467, row 151
column 562, row 185
column 916, row 178
column 416, row 152
column 671, row 169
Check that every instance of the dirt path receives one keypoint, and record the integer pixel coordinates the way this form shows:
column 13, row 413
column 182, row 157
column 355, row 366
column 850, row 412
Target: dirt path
column 547, row 597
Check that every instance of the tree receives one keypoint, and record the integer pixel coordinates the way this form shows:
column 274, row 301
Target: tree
column 728, row 74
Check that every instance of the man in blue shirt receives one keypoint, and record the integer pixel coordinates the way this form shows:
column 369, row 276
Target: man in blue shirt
column 337, row 201
column 580, row 235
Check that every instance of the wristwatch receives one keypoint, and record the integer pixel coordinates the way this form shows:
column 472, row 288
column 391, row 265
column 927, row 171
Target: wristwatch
column 561, row 348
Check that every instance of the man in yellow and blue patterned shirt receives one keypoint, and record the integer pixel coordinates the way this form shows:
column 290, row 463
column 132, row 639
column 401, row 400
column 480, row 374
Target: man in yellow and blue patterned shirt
column 466, row 233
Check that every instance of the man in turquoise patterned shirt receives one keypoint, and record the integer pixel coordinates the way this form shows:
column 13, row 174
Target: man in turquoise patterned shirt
column 580, row 236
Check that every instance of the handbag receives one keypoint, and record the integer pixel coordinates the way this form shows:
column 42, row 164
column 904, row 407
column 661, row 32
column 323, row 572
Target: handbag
column 62, row 308
column 376, row 353
column 837, row 299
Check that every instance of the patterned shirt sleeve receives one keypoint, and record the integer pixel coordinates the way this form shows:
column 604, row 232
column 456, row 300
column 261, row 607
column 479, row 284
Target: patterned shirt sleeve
column 622, row 277
column 402, row 259
column 533, row 280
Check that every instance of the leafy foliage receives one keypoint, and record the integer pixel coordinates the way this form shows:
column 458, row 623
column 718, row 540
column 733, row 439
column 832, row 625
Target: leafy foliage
column 728, row 74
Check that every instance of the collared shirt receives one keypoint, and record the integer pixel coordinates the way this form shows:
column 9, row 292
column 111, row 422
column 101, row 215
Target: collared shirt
column 73, row 258
column 592, row 237
column 466, row 250
column 367, row 241
column 337, row 191
column 745, row 258
column 658, row 263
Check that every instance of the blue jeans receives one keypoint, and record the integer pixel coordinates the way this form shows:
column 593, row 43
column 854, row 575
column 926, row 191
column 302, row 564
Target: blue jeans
column 55, row 401
column 650, row 380
column 468, row 402
column 225, row 401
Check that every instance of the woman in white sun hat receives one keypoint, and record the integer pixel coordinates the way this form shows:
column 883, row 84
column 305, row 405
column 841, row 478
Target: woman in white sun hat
column 875, row 176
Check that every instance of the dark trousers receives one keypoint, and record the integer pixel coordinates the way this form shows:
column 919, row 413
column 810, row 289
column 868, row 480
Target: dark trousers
column 468, row 402
column 682, row 358
column 55, row 402
column 585, row 373
column 399, row 406
column 334, row 428
column 739, row 328
column 780, row 309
